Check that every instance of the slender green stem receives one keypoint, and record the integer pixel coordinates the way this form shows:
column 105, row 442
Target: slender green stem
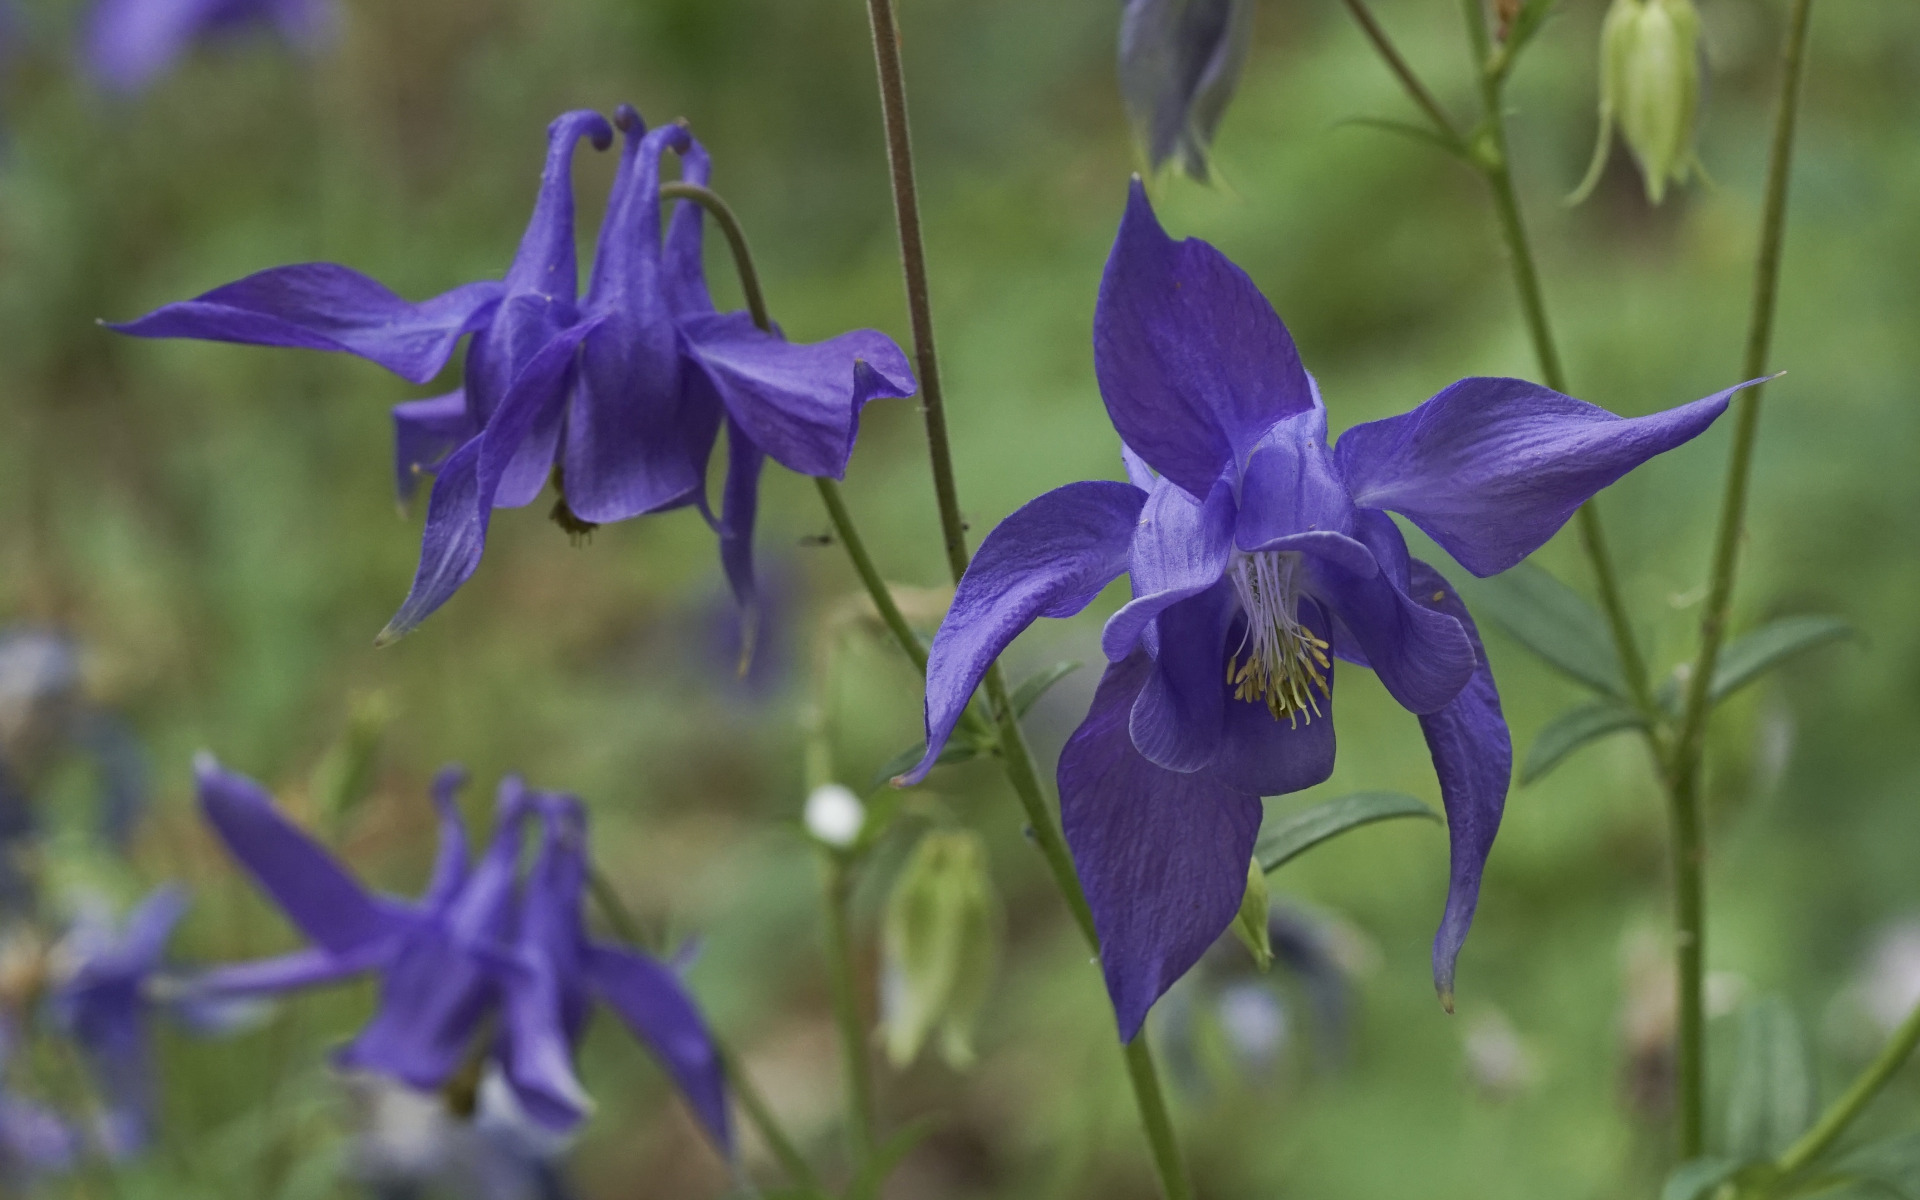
column 843, row 526
column 1402, row 70
column 855, row 1062
column 758, row 1111
column 913, row 264
column 1689, row 742
column 1013, row 749
column 1853, row 1101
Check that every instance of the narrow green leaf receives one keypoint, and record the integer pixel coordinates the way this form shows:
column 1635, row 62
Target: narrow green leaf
column 1770, row 1102
column 957, row 751
column 1552, row 620
column 1573, row 729
column 1302, row 831
column 1419, row 133
column 888, row 1156
column 1696, row 1179
column 1035, row 686
column 1889, row 1167
column 1769, row 646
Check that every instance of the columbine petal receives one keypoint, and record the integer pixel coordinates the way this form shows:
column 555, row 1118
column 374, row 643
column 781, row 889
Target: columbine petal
column 800, row 402
column 685, row 274
column 315, row 892
column 1180, row 715
column 653, row 1003
column 424, row 433
column 1163, row 856
column 633, row 428
column 450, row 862
column 461, row 506
column 1290, row 486
column 1492, row 468
column 1193, row 362
column 546, row 997
column 321, row 306
column 434, row 995
column 1473, row 756
column 1270, row 757
column 739, row 505
column 287, row 972
column 1422, row 656
column 1049, row 559
column 1179, row 550
column 130, row 43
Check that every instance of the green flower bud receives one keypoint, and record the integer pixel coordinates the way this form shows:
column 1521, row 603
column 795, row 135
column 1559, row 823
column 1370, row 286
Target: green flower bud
column 1650, row 60
column 940, row 944
column 1252, row 925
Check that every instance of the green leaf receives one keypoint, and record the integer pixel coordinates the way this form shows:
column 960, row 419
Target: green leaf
column 1770, row 1102
column 1769, row 646
column 1550, row 619
column 1302, row 831
column 1573, row 729
column 957, row 751
column 1698, row 1178
column 1419, row 133
column 1890, row 1166
column 866, row 1186
column 1035, row 686
column 1253, row 925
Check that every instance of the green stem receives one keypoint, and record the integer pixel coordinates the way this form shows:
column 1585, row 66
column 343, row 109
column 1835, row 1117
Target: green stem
column 1402, row 70
column 1014, row 754
column 843, row 526
column 794, row 1163
column 913, row 264
column 1689, row 743
column 846, row 1011
column 1841, row 1112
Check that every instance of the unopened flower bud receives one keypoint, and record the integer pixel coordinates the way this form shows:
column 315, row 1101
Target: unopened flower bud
column 834, row 815
column 940, row 942
column 1650, row 69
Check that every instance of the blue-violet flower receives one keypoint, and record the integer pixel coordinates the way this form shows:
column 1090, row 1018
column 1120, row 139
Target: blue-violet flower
column 131, row 43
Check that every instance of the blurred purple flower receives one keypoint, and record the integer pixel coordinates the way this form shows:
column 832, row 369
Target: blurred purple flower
column 617, row 397
column 131, row 43
column 104, row 1001
column 34, row 1140
column 1180, row 61
column 479, row 950
column 1257, row 555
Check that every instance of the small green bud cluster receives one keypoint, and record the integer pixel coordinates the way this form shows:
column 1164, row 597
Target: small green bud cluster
column 940, row 943
column 1650, row 76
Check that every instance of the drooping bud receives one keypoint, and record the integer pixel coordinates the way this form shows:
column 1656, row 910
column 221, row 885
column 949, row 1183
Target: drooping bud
column 1650, row 76
column 940, row 943
column 1180, row 61
column 1251, row 925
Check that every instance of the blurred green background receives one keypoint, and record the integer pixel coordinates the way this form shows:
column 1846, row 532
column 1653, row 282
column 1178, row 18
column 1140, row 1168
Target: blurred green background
column 217, row 523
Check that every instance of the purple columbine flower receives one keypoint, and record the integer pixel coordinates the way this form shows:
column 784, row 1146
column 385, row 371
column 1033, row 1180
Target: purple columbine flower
column 1258, row 555
column 1180, row 61
column 617, row 397
column 479, row 951
column 104, row 1001
column 131, row 43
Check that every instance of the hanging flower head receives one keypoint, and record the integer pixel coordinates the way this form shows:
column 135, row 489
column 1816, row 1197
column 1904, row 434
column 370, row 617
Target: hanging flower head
column 1180, row 61
column 1260, row 556
column 131, row 43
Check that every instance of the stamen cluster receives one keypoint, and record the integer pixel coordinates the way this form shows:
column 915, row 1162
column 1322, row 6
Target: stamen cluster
column 1284, row 660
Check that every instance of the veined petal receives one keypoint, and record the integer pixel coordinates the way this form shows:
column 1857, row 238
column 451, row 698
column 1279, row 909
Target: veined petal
column 424, row 433
column 1422, row 655
column 1290, row 486
column 1179, row 62
column 1180, row 715
column 450, row 862
column 537, row 1054
column 544, row 264
column 800, row 402
column 1492, row 468
column 739, row 504
column 315, row 892
column 685, row 273
column 1163, row 855
column 634, row 439
column 480, row 913
column 434, row 995
column 1049, row 559
column 1473, row 756
column 321, row 306
column 1179, row 550
column 1270, row 757
column 653, row 1003
column 1193, row 362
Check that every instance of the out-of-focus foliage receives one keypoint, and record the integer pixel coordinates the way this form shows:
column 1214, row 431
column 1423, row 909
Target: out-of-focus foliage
column 217, row 524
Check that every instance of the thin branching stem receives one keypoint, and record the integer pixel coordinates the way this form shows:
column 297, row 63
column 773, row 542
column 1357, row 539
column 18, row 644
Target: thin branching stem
column 1689, row 743
column 1841, row 1113
column 856, row 1063
column 1404, row 72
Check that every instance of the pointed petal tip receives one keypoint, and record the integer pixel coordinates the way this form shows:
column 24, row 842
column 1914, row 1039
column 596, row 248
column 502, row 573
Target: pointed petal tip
column 1446, row 998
